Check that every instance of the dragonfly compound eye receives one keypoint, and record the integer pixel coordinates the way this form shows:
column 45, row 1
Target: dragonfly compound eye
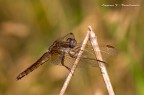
column 72, row 42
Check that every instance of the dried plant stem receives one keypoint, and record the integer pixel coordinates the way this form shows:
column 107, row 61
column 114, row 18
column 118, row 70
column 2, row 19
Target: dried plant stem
column 74, row 65
column 93, row 40
column 98, row 55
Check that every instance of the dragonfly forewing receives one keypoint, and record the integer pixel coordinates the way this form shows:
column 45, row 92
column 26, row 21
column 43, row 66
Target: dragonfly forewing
column 88, row 58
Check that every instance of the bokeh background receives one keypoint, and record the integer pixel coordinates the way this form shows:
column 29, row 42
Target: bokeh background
column 29, row 27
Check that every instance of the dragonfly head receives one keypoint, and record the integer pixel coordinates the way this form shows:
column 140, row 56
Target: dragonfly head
column 72, row 42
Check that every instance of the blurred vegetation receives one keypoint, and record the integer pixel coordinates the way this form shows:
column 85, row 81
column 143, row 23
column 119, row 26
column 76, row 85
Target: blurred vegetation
column 28, row 28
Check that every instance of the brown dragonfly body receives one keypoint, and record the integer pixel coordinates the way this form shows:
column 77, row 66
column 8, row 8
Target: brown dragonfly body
column 57, row 49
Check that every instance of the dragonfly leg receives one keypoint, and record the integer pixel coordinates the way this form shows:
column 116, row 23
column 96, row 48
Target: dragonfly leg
column 74, row 54
column 62, row 62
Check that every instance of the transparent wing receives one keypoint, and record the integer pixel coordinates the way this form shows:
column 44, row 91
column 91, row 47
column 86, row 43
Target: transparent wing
column 88, row 57
column 105, row 49
column 85, row 61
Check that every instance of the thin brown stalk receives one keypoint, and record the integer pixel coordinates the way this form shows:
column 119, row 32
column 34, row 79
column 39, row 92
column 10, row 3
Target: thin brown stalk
column 74, row 65
column 98, row 55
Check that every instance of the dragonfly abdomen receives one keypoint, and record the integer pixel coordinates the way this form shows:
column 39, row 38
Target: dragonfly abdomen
column 39, row 62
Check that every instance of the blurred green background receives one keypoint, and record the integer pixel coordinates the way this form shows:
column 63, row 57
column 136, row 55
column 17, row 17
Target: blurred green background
column 29, row 27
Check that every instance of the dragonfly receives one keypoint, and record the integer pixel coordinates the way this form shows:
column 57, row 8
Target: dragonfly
column 56, row 54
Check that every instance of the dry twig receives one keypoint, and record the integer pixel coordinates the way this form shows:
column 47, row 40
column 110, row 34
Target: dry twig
column 98, row 55
column 74, row 65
